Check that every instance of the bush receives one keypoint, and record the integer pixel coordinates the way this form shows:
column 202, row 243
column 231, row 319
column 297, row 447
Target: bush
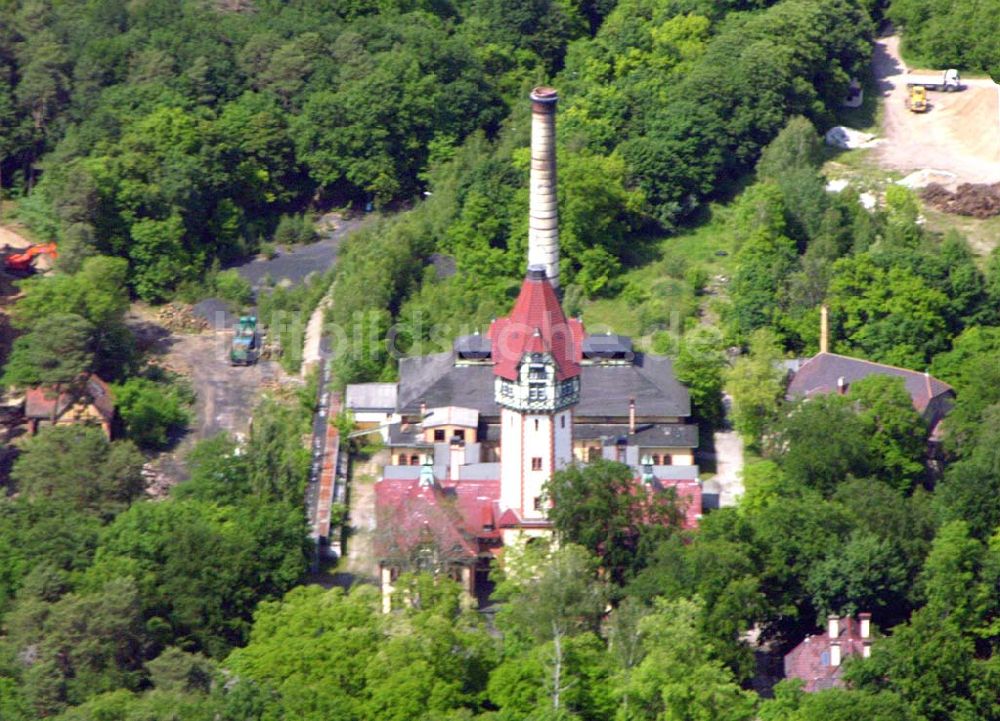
column 294, row 229
column 153, row 413
column 229, row 285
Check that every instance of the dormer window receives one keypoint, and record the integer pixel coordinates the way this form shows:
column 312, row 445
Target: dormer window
column 537, row 373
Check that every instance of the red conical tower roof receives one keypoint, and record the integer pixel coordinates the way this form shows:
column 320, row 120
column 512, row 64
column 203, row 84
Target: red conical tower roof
column 537, row 324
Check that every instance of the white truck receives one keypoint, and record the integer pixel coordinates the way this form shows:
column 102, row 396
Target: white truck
column 949, row 81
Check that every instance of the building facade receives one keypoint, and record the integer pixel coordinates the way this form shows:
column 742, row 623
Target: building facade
column 475, row 433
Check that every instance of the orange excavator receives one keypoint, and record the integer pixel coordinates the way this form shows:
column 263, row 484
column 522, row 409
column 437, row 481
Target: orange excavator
column 29, row 260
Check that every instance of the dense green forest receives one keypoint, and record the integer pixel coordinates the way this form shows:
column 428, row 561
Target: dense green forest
column 950, row 35
column 157, row 140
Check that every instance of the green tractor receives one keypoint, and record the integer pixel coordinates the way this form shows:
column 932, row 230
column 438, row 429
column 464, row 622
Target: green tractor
column 246, row 345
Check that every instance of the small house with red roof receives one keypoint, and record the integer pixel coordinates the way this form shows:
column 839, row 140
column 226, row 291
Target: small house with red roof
column 89, row 401
column 818, row 660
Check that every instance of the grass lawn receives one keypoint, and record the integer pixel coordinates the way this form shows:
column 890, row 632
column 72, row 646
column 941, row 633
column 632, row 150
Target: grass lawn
column 9, row 219
column 669, row 261
column 983, row 234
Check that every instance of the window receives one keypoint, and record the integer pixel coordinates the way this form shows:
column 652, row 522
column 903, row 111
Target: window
column 438, row 434
column 460, row 435
column 656, row 459
column 402, row 460
column 562, row 421
column 536, row 464
column 506, row 389
column 567, row 388
column 414, row 460
column 536, row 392
column 538, row 503
column 593, row 454
column 537, row 373
column 668, row 460
column 536, row 424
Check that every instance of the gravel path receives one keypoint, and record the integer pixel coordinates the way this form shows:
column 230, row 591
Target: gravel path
column 295, row 264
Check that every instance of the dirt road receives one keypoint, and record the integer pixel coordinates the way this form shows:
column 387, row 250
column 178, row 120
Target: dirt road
column 960, row 134
column 225, row 395
column 11, row 240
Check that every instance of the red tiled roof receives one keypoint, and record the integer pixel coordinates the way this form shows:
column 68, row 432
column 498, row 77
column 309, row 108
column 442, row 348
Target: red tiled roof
column 810, row 660
column 689, row 498
column 537, row 324
column 457, row 518
column 39, row 401
column 509, row 519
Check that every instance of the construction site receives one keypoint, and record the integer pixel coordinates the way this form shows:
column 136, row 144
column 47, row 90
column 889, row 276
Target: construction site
column 945, row 138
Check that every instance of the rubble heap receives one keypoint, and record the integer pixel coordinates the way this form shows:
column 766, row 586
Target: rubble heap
column 974, row 199
column 178, row 317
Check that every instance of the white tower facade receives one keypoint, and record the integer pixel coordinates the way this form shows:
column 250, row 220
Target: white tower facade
column 543, row 218
column 536, row 432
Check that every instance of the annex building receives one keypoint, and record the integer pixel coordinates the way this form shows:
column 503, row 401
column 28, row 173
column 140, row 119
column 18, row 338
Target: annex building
column 473, row 434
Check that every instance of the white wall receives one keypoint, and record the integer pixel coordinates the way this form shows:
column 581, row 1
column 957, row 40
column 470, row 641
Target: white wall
column 510, row 459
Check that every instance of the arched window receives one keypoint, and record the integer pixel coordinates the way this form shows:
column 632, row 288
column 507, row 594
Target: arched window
column 402, row 460
column 414, row 460
column 656, row 459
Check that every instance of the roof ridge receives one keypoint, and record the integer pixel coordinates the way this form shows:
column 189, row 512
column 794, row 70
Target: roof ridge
column 874, row 363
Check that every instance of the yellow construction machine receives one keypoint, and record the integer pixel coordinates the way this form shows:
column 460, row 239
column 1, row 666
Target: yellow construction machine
column 916, row 100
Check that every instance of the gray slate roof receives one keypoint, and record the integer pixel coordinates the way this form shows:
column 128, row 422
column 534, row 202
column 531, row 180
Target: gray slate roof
column 819, row 375
column 604, row 389
column 607, row 345
column 370, row 396
column 669, row 435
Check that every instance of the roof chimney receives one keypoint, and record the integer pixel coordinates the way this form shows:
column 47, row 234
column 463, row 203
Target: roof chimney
column 648, row 477
column 543, row 217
column 427, row 473
column 631, row 415
column 866, row 624
column 841, row 385
column 824, row 329
column 833, row 625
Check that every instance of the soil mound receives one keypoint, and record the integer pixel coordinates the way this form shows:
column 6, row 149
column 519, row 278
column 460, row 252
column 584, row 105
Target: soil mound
column 978, row 200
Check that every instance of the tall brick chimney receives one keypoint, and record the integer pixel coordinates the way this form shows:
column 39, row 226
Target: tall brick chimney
column 824, row 329
column 543, row 217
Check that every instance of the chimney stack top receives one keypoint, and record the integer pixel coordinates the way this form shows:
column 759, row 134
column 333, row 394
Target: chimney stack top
column 544, row 94
column 833, row 625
